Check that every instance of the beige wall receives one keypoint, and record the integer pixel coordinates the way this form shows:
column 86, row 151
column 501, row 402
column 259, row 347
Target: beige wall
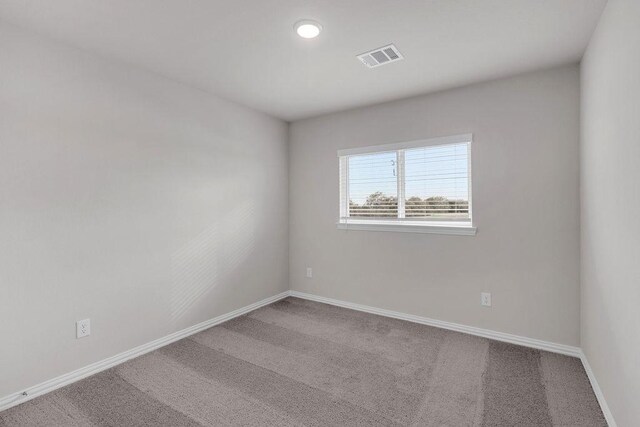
column 525, row 205
column 610, row 207
column 140, row 203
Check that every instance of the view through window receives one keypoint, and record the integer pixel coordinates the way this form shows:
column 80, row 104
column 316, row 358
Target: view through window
column 419, row 182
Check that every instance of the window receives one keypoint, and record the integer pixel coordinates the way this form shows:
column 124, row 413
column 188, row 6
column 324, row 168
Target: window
column 422, row 186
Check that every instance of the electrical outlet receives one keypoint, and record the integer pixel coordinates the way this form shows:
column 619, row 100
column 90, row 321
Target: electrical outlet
column 83, row 328
column 309, row 272
column 485, row 299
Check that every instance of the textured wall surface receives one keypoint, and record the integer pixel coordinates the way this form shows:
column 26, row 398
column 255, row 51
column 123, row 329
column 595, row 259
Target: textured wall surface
column 610, row 206
column 129, row 199
column 525, row 205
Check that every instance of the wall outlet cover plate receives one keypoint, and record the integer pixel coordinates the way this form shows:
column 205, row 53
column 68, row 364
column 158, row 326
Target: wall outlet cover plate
column 83, row 328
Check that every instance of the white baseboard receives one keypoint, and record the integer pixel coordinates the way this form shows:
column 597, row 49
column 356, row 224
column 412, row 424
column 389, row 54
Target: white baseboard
column 472, row 330
column 65, row 379
column 598, row 391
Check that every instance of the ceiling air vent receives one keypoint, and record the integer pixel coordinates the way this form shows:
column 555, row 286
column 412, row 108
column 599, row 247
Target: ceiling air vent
column 381, row 56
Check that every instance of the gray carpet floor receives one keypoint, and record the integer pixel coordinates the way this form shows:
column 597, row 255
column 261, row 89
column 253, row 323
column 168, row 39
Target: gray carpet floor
column 297, row 362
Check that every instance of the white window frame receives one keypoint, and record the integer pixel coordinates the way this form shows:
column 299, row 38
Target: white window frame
column 401, row 224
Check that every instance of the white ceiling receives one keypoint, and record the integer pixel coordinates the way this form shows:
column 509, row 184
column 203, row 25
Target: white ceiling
column 247, row 51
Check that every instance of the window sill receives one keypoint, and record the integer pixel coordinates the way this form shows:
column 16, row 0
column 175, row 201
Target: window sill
column 458, row 230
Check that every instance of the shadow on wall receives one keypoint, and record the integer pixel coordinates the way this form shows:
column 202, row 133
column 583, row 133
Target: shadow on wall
column 207, row 260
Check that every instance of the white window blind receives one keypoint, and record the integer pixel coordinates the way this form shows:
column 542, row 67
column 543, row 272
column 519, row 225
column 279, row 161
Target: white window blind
column 418, row 183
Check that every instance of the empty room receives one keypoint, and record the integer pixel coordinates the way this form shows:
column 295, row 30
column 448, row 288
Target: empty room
column 320, row 213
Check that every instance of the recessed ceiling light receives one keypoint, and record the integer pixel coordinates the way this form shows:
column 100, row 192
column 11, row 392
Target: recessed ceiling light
column 308, row 29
